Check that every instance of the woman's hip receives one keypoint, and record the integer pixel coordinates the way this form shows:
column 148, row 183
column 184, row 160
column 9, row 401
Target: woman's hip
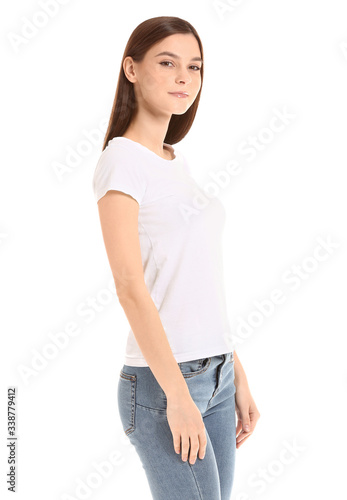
column 210, row 381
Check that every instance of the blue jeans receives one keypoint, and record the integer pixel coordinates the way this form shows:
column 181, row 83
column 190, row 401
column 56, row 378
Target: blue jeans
column 142, row 408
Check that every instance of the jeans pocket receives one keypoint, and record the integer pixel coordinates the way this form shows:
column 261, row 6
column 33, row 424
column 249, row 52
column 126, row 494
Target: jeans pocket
column 126, row 401
column 195, row 367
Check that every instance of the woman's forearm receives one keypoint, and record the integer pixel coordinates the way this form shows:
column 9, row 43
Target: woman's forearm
column 240, row 375
column 150, row 335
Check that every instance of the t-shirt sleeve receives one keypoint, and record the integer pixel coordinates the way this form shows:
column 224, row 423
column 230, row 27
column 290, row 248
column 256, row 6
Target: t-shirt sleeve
column 117, row 170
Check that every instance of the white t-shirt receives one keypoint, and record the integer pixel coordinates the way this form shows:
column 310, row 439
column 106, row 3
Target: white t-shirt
column 181, row 247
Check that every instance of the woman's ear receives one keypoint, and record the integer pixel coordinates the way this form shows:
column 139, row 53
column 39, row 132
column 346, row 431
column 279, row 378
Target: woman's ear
column 129, row 69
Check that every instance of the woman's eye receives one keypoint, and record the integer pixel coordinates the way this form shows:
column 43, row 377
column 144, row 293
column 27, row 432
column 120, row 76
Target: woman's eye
column 165, row 63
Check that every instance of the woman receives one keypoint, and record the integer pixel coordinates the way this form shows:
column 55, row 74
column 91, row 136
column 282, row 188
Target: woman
column 181, row 382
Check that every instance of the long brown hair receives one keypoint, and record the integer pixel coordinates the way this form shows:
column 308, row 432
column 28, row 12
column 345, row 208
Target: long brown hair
column 147, row 34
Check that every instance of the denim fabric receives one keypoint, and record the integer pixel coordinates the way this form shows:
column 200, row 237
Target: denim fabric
column 142, row 408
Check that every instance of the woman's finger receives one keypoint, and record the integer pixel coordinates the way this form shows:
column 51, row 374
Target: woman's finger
column 194, row 448
column 242, row 438
column 185, row 447
column 202, row 444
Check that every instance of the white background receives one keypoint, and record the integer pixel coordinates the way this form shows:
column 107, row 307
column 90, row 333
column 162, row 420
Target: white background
column 261, row 58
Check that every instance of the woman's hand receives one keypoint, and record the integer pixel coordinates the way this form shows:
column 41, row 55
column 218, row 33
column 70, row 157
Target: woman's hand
column 247, row 413
column 187, row 425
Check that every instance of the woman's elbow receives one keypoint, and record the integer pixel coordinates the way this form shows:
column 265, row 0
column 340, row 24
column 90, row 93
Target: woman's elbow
column 130, row 290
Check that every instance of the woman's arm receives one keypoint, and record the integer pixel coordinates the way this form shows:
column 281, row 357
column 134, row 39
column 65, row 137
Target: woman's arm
column 119, row 223
column 246, row 409
column 118, row 214
column 240, row 375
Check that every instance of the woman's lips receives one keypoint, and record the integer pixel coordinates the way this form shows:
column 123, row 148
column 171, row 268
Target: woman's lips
column 179, row 94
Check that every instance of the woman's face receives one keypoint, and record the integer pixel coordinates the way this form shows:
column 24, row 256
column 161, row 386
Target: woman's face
column 157, row 77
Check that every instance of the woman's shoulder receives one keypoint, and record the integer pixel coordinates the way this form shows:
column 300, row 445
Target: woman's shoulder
column 117, row 152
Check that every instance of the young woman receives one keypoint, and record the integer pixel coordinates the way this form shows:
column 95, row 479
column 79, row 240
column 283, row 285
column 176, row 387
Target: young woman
column 181, row 382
